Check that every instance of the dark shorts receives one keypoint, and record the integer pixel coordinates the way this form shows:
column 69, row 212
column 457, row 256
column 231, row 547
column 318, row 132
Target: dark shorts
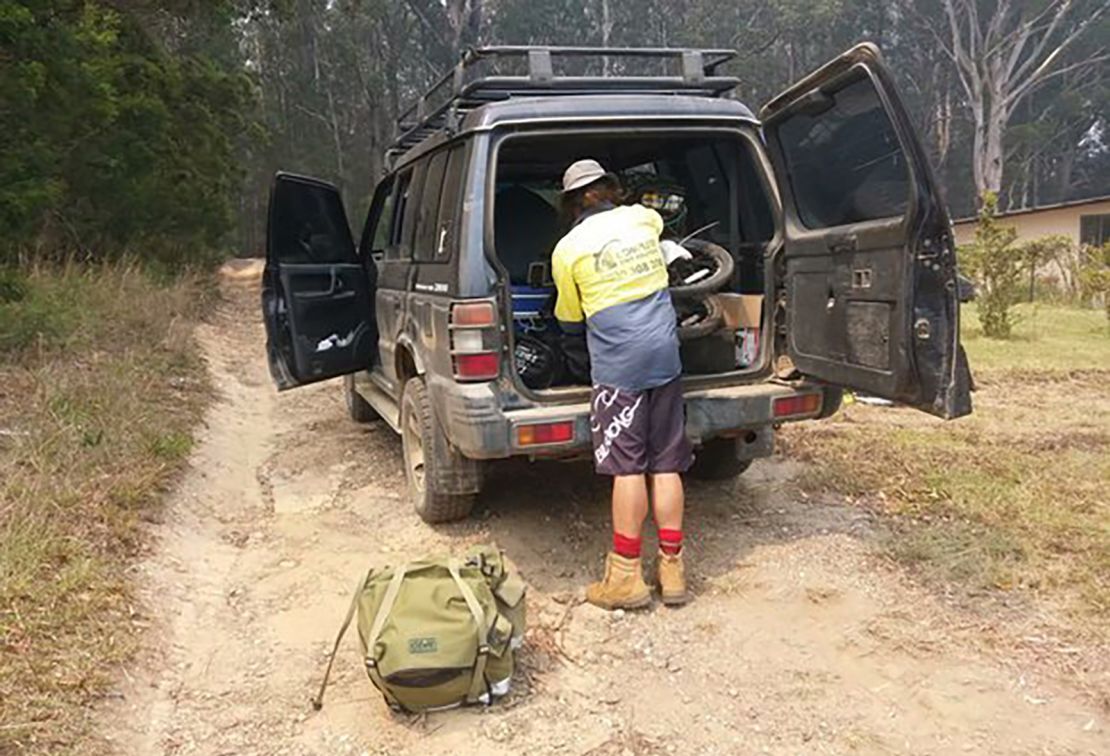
column 636, row 432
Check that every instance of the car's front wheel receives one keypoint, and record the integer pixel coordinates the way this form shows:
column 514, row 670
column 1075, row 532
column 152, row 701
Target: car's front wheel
column 717, row 460
column 442, row 483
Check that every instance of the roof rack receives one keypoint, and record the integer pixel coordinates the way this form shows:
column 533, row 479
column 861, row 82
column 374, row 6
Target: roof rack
column 462, row 89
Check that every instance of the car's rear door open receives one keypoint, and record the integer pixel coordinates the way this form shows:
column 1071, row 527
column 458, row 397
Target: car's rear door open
column 870, row 264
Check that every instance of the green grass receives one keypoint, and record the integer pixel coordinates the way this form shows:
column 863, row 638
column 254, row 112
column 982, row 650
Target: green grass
column 1014, row 498
column 100, row 387
column 1046, row 338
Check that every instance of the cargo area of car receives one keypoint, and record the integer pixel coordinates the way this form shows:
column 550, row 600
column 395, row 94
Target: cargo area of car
column 710, row 188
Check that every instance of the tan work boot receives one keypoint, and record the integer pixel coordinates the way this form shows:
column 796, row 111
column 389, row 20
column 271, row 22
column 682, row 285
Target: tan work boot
column 672, row 579
column 623, row 586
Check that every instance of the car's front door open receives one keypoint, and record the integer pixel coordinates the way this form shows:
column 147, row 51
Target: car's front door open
column 317, row 294
column 868, row 258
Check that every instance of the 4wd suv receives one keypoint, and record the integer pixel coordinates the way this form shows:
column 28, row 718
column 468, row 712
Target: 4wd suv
column 826, row 203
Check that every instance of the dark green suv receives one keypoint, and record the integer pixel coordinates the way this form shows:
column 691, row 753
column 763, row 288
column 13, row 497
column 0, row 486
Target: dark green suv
column 842, row 248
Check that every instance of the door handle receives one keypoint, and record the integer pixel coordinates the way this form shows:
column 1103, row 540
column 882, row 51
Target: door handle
column 310, row 296
column 335, row 290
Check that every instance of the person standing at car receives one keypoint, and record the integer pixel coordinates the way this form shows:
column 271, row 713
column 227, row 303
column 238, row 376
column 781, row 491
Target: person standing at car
column 611, row 274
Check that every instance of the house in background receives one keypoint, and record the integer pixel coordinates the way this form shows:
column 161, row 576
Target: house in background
column 1085, row 221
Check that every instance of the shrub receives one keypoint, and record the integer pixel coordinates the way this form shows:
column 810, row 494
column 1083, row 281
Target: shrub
column 96, row 419
column 31, row 314
column 1094, row 275
column 998, row 266
column 13, row 286
column 1057, row 251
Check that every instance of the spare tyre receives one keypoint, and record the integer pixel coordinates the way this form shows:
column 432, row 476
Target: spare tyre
column 698, row 317
column 708, row 272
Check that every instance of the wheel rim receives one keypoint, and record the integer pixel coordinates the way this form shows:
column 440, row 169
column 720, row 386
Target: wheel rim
column 414, row 453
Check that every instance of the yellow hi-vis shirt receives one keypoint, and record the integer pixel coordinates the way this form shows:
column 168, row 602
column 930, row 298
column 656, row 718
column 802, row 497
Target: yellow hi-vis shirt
column 609, row 258
column 610, row 271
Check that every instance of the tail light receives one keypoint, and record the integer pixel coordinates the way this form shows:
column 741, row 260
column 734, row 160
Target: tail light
column 538, row 434
column 797, row 405
column 474, row 349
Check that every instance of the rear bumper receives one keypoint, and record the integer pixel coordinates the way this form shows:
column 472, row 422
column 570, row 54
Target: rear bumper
column 476, row 423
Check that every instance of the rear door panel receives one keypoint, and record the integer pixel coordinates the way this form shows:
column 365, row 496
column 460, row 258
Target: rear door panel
column 870, row 267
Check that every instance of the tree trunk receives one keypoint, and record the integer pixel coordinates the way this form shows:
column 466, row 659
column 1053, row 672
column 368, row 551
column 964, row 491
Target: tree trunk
column 987, row 148
column 1001, row 55
column 942, row 124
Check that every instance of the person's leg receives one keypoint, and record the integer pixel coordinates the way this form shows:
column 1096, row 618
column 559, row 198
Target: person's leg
column 618, row 422
column 630, row 505
column 670, row 455
column 667, row 500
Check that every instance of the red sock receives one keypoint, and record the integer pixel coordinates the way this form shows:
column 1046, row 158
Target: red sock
column 670, row 541
column 629, row 548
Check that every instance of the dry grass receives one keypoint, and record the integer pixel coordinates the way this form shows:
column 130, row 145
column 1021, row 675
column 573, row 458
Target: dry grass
column 100, row 387
column 1015, row 498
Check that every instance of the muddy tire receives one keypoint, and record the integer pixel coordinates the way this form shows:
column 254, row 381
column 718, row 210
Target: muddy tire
column 716, row 460
column 711, row 318
column 358, row 408
column 724, row 266
column 442, row 483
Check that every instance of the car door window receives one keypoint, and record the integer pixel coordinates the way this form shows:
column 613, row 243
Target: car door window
column 426, row 225
column 844, row 161
column 308, row 224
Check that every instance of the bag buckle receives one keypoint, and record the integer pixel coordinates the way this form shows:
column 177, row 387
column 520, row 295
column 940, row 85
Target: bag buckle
column 483, row 565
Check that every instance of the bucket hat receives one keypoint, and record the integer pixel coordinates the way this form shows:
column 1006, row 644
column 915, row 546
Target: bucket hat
column 583, row 173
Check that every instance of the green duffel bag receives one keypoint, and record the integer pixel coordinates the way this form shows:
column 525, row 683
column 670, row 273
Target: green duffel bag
column 438, row 632
column 506, row 583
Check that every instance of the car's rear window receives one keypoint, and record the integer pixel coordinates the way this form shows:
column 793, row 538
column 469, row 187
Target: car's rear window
column 845, row 164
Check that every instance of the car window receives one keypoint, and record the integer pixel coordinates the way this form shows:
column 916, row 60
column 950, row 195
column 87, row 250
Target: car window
column 427, row 219
column 450, row 205
column 845, row 163
column 309, row 225
column 757, row 219
column 703, row 170
column 409, row 211
column 400, row 202
column 379, row 220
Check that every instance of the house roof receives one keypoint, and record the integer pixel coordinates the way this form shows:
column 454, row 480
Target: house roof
column 1039, row 208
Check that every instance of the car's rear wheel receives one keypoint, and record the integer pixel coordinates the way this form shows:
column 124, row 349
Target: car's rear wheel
column 435, row 472
column 357, row 407
column 717, row 460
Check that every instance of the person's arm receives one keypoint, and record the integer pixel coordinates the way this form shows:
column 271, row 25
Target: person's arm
column 568, row 307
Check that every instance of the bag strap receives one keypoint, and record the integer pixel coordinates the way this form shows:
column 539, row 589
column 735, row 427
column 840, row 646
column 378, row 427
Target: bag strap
column 318, row 701
column 388, row 600
column 478, row 678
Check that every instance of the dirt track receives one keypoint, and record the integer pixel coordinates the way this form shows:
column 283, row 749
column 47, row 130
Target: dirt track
column 798, row 642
